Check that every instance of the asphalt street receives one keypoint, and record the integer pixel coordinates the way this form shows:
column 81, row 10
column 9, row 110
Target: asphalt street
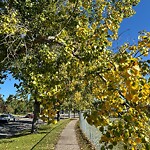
column 15, row 128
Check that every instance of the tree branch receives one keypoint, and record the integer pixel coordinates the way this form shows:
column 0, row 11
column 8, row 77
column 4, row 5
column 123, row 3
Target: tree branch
column 69, row 18
column 143, row 53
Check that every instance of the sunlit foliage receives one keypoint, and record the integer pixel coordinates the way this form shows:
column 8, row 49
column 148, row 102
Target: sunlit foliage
column 62, row 52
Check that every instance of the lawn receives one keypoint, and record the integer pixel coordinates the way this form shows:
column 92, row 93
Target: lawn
column 45, row 139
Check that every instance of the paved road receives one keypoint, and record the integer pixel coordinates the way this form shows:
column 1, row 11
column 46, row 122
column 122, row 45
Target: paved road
column 14, row 128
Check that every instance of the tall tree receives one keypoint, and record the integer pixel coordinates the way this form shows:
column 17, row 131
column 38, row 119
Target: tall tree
column 56, row 47
column 1, row 104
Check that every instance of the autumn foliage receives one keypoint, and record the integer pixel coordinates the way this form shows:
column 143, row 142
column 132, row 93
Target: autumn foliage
column 62, row 51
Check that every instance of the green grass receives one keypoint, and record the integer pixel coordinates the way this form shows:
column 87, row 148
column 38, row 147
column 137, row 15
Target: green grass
column 45, row 139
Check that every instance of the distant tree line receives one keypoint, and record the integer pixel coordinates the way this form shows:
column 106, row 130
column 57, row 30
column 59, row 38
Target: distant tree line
column 15, row 105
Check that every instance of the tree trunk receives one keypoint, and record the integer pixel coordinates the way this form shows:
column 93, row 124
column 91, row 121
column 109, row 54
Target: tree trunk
column 58, row 115
column 69, row 113
column 74, row 113
column 36, row 116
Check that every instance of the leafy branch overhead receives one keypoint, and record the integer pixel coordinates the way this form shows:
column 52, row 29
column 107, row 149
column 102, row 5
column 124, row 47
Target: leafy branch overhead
column 62, row 53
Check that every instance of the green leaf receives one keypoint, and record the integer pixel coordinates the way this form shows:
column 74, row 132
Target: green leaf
column 147, row 146
column 102, row 148
column 125, row 146
column 110, row 146
column 72, row 1
column 108, row 134
column 101, row 129
column 114, row 143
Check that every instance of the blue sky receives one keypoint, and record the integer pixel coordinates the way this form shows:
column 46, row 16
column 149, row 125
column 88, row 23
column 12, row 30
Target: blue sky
column 140, row 21
column 129, row 27
column 8, row 87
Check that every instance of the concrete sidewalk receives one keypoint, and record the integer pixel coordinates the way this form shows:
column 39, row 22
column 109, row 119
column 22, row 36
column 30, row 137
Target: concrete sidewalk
column 68, row 139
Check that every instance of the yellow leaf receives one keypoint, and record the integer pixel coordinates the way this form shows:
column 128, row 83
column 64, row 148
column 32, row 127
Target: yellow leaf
column 132, row 48
column 54, row 122
column 138, row 140
column 148, row 45
column 136, row 67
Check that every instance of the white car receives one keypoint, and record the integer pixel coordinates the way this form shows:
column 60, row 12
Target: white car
column 5, row 118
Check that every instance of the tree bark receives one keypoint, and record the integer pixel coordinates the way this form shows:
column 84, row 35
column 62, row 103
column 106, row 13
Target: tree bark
column 58, row 115
column 36, row 116
column 69, row 113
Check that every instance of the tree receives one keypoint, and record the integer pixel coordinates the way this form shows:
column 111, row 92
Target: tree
column 1, row 104
column 64, row 48
column 24, row 38
column 18, row 105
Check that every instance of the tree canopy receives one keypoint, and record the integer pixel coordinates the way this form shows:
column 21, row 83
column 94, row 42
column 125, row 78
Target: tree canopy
column 62, row 51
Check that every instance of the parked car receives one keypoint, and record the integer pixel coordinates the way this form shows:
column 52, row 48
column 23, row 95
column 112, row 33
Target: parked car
column 29, row 116
column 11, row 117
column 5, row 118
